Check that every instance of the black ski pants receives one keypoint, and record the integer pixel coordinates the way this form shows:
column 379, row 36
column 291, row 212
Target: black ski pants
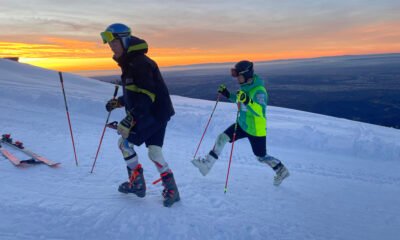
column 258, row 144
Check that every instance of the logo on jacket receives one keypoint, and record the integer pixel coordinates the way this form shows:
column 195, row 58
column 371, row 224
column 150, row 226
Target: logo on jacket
column 261, row 99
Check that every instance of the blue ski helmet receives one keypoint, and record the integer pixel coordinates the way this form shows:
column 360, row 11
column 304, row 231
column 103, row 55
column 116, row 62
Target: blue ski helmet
column 117, row 31
column 244, row 68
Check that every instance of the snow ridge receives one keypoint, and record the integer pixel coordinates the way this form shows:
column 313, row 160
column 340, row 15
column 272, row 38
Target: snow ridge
column 344, row 174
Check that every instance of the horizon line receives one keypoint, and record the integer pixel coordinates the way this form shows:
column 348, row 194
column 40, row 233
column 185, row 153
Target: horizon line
column 210, row 64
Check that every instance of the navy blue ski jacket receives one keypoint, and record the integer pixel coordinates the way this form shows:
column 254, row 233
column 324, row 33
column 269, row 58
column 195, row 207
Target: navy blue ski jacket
column 145, row 93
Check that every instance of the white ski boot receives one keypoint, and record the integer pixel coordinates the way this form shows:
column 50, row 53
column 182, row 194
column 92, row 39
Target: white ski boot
column 281, row 173
column 204, row 164
column 278, row 167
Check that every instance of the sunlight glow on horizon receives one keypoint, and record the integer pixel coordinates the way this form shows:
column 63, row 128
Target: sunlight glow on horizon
column 106, row 63
column 88, row 63
column 65, row 37
column 74, row 55
column 64, row 54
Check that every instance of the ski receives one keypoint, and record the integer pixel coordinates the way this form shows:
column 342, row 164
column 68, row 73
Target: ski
column 13, row 159
column 7, row 140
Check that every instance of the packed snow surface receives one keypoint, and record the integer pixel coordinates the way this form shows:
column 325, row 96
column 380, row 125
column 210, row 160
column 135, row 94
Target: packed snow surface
column 344, row 183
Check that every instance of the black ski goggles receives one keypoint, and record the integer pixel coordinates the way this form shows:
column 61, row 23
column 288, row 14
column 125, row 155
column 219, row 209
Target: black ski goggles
column 235, row 73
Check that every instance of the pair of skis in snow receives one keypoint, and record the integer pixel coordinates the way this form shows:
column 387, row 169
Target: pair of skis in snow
column 35, row 158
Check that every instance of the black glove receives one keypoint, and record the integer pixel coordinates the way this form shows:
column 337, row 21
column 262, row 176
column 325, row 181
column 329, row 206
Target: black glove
column 223, row 90
column 125, row 126
column 112, row 104
column 242, row 97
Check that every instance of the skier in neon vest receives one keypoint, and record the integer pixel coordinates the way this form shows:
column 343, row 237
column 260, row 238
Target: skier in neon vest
column 252, row 123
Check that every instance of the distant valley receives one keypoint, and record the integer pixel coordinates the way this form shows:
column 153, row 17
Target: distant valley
column 363, row 88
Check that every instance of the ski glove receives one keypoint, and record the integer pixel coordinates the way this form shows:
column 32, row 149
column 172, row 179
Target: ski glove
column 224, row 91
column 242, row 97
column 125, row 126
column 112, row 104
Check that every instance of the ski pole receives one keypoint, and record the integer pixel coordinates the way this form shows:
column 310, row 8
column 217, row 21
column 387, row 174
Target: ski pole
column 233, row 143
column 69, row 120
column 104, row 130
column 209, row 120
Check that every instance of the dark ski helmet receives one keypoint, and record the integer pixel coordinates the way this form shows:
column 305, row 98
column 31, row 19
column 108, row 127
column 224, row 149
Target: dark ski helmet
column 244, row 68
column 117, row 31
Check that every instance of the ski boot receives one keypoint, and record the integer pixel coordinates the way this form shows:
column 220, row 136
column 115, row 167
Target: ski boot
column 19, row 145
column 278, row 167
column 136, row 184
column 205, row 164
column 170, row 192
column 6, row 138
column 281, row 173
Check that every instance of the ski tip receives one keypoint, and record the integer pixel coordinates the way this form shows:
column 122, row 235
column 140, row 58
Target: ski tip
column 55, row 165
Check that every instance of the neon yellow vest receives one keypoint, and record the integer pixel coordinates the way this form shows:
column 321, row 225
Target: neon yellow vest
column 252, row 118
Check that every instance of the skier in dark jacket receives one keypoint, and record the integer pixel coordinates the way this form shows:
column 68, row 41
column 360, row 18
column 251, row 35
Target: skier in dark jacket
column 148, row 109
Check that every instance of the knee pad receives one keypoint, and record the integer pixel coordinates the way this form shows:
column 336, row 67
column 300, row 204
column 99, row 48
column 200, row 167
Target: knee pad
column 126, row 148
column 155, row 152
column 156, row 156
column 222, row 139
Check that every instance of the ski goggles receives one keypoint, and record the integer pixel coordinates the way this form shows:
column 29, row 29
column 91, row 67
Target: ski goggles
column 107, row 36
column 235, row 73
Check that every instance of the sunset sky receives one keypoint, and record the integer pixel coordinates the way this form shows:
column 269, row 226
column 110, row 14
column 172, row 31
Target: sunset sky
column 64, row 35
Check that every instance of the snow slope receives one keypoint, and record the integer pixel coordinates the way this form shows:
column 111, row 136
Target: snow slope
column 344, row 183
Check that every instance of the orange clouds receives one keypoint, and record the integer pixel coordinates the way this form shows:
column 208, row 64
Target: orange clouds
column 67, row 54
column 51, row 47
column 71, row 64
column 60, row 54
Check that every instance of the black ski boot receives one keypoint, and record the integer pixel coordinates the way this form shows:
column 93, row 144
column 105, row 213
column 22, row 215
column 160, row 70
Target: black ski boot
column 136, row 185
column 170, row 192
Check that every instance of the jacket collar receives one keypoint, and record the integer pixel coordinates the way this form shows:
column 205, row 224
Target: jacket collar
column 257, row 81
column 137, row 46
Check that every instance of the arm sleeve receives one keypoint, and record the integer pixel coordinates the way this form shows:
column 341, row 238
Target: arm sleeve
column 232, row 97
